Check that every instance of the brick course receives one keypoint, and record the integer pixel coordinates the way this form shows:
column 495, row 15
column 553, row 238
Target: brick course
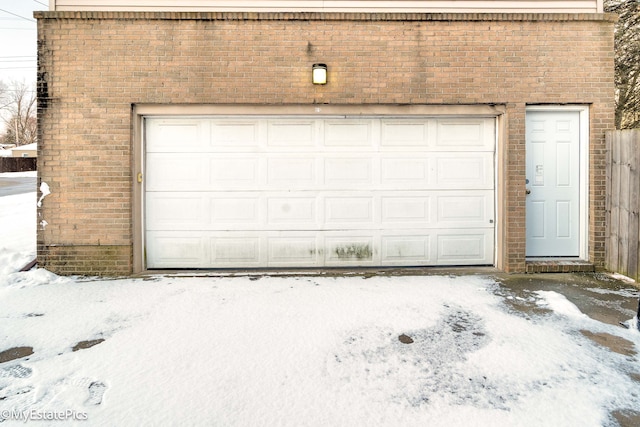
column 94, row 66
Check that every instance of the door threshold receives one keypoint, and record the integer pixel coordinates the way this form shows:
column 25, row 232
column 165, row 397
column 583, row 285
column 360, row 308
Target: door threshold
column 559, row 265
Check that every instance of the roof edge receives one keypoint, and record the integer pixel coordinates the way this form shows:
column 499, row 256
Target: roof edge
column 324, row 16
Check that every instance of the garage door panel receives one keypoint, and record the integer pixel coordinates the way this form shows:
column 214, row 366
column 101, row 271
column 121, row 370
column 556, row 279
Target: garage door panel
column 296, row 192
column 406, row 172
column 349, row 212
column 177, row 135
column 413, row 209
column 294, row 250
column 291, row 134
column 409, row 134
column 232, row 135
column 228, row 211
column 326, row 210
column 292, row 212
column 235, row 249
column 292, row 172
column 347, row 172
column 354, row 249
column 344, row 134
column 182, row 249
column 461, row 135
column 365, row 248
column 460, row 247
column 175, row 172
column 463, row 210
column 464, row 171
column 438, row 171
column 406, row 249
column 167, row 211
column 227, row 172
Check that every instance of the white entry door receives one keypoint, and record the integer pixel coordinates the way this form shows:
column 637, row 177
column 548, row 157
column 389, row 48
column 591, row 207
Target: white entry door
column 553, row 183
column 297, row 191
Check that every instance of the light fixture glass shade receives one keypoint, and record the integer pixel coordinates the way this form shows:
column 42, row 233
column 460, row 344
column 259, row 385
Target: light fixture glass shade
column 319, row 74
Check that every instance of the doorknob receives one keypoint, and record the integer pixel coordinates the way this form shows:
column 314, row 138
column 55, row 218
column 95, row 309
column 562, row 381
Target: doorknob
column 527, row 191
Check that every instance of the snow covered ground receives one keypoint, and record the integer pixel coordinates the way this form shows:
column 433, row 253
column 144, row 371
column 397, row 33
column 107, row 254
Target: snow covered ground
column 297, row 351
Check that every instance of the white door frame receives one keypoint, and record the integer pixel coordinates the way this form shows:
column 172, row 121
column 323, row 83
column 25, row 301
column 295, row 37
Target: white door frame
column 583, row 111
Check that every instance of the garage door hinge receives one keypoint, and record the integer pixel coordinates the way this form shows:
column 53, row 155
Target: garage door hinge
column 140, row 177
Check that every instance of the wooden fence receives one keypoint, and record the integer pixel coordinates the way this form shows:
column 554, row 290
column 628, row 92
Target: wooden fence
column 17, row 164
column 623, row 202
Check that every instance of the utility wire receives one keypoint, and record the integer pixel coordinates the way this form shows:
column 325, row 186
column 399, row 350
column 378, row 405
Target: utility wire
column 21, row 17
column 41, row 3
column 14, row 61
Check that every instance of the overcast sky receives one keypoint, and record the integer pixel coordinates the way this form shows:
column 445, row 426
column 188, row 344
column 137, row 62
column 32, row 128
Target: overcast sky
column 18, row 39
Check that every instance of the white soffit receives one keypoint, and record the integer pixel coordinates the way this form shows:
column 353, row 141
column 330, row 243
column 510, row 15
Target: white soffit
column 468, row 6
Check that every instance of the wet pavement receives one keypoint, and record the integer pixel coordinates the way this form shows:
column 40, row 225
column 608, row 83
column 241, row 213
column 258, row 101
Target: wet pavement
column 600, row 296
column 17, row 185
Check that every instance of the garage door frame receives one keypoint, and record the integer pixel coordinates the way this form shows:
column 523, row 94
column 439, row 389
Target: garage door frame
column 141, row 111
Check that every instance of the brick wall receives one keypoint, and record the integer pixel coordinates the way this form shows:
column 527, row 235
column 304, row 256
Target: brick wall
column 93, row 66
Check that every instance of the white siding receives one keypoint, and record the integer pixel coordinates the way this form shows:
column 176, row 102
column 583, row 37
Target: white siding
column 468, row 6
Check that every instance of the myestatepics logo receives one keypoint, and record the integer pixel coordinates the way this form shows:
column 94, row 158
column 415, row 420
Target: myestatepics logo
column 34, row 415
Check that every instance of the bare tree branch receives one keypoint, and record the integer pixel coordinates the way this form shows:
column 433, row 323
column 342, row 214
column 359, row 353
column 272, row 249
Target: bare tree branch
column 18, row 112
column 627, row 62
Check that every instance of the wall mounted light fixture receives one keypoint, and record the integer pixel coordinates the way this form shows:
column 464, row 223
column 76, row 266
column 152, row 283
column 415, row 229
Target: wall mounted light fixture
column 319, row 74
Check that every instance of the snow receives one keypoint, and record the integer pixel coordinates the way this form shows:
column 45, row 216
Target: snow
column 622, row 278
column 44, row 190
column 17, row 233
column 8, row 152
column 300, row 350
column 28, row 147
column 560, row 304
column 30, row 174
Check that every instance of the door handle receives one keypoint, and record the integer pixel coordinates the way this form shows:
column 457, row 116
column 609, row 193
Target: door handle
column 527, row 191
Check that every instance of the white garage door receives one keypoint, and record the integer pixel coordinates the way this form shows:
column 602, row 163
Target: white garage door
column 308, row 192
